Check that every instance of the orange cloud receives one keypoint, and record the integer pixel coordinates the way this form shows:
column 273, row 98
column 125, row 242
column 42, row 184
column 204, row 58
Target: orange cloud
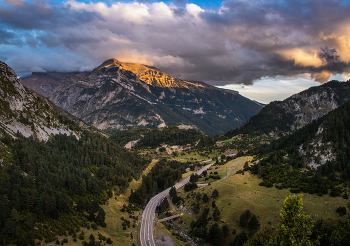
column 323, row 76
column 302, row 57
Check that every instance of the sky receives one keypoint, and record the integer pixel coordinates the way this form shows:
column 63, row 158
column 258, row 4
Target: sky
column 265, row 49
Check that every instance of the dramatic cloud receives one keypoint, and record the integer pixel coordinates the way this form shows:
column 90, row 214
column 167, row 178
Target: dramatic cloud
column 242, row 41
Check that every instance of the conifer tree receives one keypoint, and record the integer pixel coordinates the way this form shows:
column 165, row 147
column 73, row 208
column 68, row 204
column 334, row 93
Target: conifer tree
column 295, row 227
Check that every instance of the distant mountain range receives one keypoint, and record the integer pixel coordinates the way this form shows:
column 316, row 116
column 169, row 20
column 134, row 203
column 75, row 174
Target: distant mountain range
column 27, row 112
column 284, row 117
column 121, row 96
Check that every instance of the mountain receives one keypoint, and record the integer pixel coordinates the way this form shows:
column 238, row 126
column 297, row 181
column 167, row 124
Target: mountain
column 23, row 110
column 122, row 96
column 284, row 117
column 325, row 139
column 315, row 157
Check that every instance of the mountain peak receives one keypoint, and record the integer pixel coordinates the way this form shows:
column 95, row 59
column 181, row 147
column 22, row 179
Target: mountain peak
column 148, row 74
column 110, row 62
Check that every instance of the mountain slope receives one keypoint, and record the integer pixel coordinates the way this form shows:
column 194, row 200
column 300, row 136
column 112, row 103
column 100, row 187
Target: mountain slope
column 284, row 117
column 315, row 157
column 123, row 96
column 25, row 111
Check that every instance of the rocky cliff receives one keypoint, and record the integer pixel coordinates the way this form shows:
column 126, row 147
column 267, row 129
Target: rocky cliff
column 23, row 110
column 284, row 117
column 123, row 96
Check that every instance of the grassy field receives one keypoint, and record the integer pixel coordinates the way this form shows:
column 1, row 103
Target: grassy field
column 229, row 169
column 227, row 141
column 240, row 192
column 191, row 155
column 244, row 142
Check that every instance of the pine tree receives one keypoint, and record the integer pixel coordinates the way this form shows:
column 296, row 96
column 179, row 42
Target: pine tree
column 254, row 223
column 225, row 230
column 205, row 198
column 215, row 235
column 245, row 216
column 172, row 191
column 215, row 193
column 240, row 239
column 216, row 214
column 100, row 218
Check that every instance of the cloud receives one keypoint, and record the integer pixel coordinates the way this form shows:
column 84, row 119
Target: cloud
column 38, row 69
column 239, row 43
column 323, row 76
column 14, row 3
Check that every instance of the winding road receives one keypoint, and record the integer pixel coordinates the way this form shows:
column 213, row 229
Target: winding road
column 147, row 220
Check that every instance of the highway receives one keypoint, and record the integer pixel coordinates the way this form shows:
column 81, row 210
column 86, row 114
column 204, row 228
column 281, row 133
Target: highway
column 147, row 220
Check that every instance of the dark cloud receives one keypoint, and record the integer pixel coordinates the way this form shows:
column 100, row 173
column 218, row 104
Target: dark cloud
column 39, row 15
column 329, row 55
column 240, row 43
column 178, row 11
column 9, row 38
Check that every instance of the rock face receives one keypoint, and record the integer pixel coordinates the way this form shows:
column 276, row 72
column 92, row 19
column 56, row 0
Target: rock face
column 123, row 96
column 23, row 110
column 284, row 117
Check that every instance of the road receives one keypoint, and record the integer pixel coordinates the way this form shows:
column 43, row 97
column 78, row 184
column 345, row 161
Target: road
column 147, row 220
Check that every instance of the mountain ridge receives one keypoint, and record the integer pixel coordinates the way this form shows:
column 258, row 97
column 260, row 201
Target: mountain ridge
column 296, row 111
column 123, row 96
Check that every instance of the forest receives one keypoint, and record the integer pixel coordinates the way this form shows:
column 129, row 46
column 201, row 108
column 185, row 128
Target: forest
column 162, row 176
column 151, row 138
column 60, row 185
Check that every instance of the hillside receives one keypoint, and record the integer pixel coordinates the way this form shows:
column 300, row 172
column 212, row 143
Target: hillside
column 23, row 110
column 315, row 157
column 284, row 117
column 56, row 172
column 312, row 160
column 123, row 96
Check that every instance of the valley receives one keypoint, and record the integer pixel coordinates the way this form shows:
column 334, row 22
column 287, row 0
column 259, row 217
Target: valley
column 88, row 177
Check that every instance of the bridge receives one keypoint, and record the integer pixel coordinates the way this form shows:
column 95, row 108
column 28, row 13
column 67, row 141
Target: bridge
column 170, row 218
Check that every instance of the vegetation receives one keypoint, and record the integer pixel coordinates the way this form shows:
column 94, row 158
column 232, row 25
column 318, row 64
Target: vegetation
column 292, row 154
column 49, row 190
column 151, row 138
column 163, row 175
column 60, row 184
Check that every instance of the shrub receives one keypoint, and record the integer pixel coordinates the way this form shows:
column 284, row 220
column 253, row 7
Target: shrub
column 94, row 226
column 341, row 211
column 334, row 193
column 101, row 237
